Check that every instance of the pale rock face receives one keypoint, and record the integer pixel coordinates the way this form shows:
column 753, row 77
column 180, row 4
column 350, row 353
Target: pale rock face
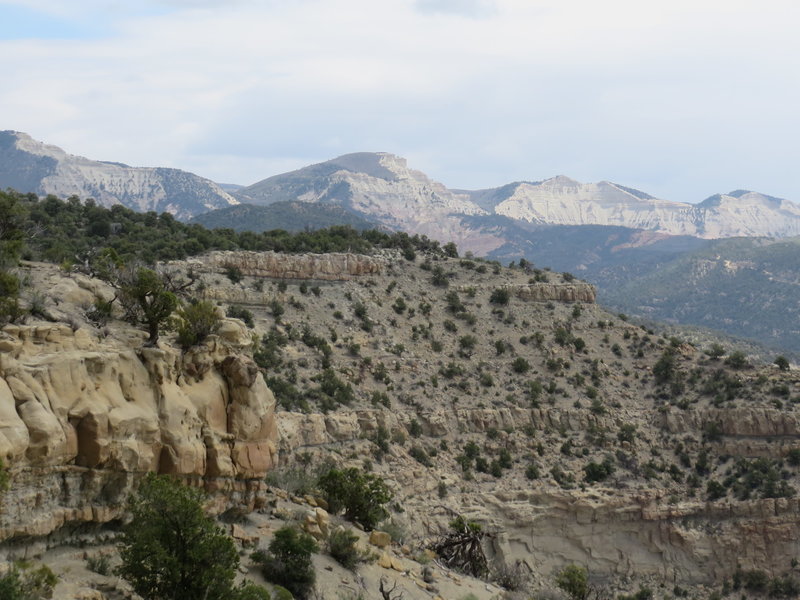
column 386, row 191
column 330, row 267
column 140, row 188
column 750, row 214
column 563, row 201
column 627, row 532
column 72, row 407
column 409, row 200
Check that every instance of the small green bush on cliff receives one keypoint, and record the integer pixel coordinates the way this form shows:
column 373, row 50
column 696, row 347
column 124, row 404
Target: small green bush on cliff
column 172, row 551
column 196, row 321
column 23, row 582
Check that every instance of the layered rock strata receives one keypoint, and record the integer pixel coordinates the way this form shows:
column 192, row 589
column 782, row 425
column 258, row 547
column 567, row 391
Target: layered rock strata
column 82, row 419
column 328, row 267
column 622, row 532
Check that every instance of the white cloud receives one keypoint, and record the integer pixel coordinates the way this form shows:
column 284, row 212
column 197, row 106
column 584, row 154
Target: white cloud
column 681, row 98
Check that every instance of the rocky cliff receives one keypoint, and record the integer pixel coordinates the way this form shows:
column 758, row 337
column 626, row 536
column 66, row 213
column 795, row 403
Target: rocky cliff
column 382, row 187
column 616, row 532
column 82, row 418
column 327, row 267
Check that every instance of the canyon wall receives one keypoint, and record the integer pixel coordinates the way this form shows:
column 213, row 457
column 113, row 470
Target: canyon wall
column 614, row 531
column 82, row 418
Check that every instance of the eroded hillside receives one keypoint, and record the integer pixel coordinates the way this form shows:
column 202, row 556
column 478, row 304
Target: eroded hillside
column 507, row 395
column 503, row 395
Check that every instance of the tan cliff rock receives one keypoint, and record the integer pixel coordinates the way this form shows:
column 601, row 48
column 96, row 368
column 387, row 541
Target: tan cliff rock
column 82, row 418
column 625, row 532
column 577, row 291
column 330, row 267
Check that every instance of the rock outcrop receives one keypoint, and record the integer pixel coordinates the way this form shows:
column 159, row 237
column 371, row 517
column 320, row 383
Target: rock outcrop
column 82, row 419
column 636, row 531
column 577, row 291
column 326, row 267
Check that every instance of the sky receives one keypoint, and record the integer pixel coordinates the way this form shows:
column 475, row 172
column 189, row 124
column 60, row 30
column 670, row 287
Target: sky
column 681, row 99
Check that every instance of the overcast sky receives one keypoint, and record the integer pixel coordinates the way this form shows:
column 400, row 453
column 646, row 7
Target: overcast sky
column 679, row 98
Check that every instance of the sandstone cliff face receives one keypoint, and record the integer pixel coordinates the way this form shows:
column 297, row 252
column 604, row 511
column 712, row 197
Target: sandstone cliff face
column 82, row 419
column 624, row 532
column 578, row 291
column 330, row 267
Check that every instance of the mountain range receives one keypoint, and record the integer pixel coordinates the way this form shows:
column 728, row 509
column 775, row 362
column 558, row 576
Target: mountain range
column 30, row 166
column 382, row 187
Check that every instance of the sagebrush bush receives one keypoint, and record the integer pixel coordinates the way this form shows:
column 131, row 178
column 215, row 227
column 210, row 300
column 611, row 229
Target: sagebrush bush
column 342, row 548
column 196, row 321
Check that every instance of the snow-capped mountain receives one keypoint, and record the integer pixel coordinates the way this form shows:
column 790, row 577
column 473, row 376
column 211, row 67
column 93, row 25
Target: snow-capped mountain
column 28, row 165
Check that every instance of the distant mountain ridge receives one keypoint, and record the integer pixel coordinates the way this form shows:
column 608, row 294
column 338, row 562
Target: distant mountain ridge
column 27, row 165
column 381, row 186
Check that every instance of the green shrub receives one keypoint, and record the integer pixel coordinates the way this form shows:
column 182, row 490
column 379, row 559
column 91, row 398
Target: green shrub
column 782, row 363
column 715, row 490
column 419, row 454
column 288, row 561
column 362, row 496
column 644, row 593
column 239, row 312
column 276, row 308
column 736, row 360
column 594, row 472
column 5, row 478
column 665, row 368
column 23, row 582
column 101, row 312
column 99, row 564
column 342, row 547
column 627, row 433
column 438, row 277
column 574, row 581
column 171, row 549
column 9, row 297
column 196, row 321
column 784, row 587
column 500, row 296
column 467, row 344
column 754, row 580
column 520, row 365
column 233, row 272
